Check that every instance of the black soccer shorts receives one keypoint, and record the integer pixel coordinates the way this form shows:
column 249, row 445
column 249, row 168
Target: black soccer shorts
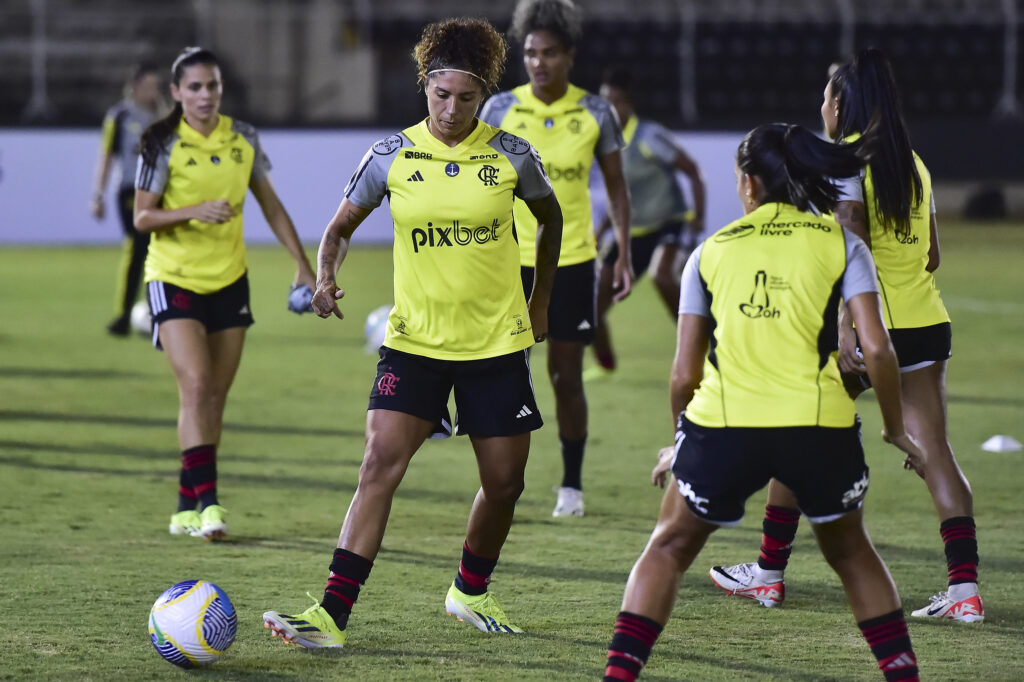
column 572, row 313
column 223, row 309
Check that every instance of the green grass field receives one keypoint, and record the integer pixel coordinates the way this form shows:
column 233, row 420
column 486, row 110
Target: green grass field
column 89, row 461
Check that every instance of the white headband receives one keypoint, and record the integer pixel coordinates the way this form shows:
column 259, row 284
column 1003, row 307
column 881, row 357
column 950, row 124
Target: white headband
column 468, row 73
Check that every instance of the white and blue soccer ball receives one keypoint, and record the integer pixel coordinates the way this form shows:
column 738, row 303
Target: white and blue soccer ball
column 192, row 624
column 376, row 327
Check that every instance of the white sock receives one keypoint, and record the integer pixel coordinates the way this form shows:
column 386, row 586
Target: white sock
column 767, row 575
column 962, row 591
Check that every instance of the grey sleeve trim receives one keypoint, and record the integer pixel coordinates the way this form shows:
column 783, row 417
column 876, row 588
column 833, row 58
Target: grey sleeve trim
column 610, row 137
column 152, row 177
column 860, row 277
column 260, row 163
column 496, row 107
column 851, row 189
column 532, row 182
column 693, row 297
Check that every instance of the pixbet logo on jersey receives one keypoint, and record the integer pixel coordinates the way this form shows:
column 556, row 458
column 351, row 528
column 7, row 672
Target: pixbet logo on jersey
column 453, row 235
column 569, row 174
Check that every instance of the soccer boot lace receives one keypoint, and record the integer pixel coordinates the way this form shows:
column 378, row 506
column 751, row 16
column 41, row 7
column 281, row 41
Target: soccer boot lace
column 213, row 526
column 481, row 611
column 570, row 502
column 967, row 610
column 185, row 523
column 745, row 580
column 313, row 628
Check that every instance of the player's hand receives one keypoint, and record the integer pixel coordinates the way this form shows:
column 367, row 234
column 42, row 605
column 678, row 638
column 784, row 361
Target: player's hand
column 325, row 300
column 850, row 361
column 622, row 283
column 97, row 209
column 218, row 211
column 915, row 457
column 659, row 474
column 538, row 318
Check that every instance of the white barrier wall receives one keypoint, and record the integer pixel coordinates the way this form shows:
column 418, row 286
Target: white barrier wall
column 46, row 181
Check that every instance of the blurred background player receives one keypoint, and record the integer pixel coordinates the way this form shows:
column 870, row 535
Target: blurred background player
column 765, row 304
column 663, row 230
column 569, row 127
column 461, row 321
column 122, row 128
column 195, row 169
column 891, row 207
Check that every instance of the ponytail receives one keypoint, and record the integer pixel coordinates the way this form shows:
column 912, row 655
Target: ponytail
column 866, row 88
column 155, row 137
column 796, row 166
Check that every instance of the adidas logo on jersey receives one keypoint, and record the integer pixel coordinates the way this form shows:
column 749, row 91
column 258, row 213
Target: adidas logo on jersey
column 583, row 326
column 416, row 177
column 524, row 412
column 191, row 162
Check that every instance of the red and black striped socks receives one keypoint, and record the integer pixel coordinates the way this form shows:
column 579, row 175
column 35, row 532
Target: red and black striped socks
column 958, row 535
column 890, row 643
column 632, row 642
column 779, row 531
column 349, row 572
column 474, row 572
column 198, row 477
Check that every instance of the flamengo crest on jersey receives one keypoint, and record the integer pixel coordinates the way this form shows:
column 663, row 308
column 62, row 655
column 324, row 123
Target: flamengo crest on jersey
column 458, row 294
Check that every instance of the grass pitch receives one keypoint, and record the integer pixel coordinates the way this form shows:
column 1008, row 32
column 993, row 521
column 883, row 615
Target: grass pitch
column 88, row 460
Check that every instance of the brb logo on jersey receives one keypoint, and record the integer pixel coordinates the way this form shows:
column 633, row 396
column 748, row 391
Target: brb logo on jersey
column 453, row 235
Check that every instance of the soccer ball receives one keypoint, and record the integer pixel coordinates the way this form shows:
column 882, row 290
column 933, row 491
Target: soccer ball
column 140, row 319
column 192, row 624
column 376, row 328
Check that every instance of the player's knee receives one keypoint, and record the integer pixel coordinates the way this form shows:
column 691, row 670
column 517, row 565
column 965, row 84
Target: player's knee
column 506, row 491
column 195, row 389
column 380, row 469
column 566, row 384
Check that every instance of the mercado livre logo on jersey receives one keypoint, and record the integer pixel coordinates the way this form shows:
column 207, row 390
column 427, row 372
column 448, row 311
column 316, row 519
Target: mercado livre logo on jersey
column 453, row 235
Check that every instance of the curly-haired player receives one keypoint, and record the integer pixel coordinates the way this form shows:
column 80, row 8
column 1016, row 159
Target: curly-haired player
column 461, row 320
column 569, row 127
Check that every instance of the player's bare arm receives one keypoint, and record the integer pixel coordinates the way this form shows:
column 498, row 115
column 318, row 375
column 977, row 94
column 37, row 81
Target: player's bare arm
column 851, row 215
column 618, row 211
column 332, row 252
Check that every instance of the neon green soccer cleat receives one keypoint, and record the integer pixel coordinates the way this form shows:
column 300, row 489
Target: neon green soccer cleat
column 481, row 611
column 185, row 523
column 313, row 628
column 213, row 526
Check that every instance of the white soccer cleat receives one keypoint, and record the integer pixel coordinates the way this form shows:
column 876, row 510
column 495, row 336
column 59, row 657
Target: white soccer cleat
column 751, row 581
column 970, row 609
column 570, row 502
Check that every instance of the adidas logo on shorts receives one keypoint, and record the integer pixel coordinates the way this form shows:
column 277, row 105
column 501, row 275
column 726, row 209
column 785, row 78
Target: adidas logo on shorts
column 583, row 326
column 524, row 412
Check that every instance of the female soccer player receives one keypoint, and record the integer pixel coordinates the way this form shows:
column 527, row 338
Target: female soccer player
column 890, row 206
column 460, row 320
column 662, row 235
column 757, row 318
column 569, row 127
column 122, row 128
column 195, row 168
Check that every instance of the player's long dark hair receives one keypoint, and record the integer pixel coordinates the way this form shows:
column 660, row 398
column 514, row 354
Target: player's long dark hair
column 157, row 134
column 466, row 44
column 561, row 17
column 795, row 165
column 866, row 87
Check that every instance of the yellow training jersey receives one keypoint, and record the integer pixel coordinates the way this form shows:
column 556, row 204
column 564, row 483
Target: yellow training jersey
column 568, row 133
column 770, row 283
column 910, row 297
column 458, row 293
column 192, row 169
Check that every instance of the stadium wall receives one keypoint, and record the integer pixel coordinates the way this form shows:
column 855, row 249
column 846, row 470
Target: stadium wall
column 46, row 181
